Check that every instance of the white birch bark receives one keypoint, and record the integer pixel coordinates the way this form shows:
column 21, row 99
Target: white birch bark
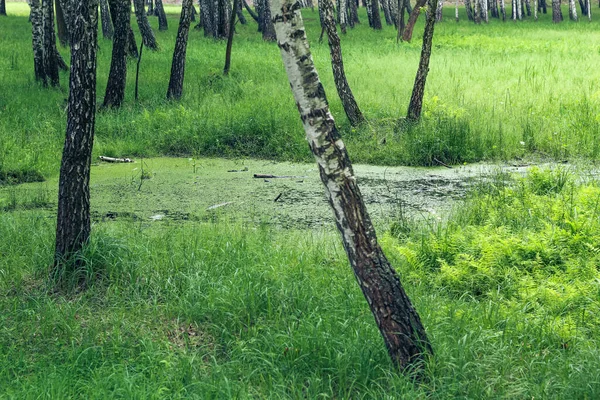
column 535, row 8
column 519, row 10
column 572, row 10
column 589, row 10
column 456, row 11
column 397, row 320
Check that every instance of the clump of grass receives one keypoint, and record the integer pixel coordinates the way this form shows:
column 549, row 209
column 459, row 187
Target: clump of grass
column 530, row 245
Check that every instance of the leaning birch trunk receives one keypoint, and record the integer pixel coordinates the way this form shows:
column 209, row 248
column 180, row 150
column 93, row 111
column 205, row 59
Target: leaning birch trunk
column 337, row 64
column 178, row 66
column 416, row 100
column 73, row 225
column 148, row 37
column 412, row 20
column 398, row 322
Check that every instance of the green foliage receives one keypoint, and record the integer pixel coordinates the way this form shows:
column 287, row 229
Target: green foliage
column 529, row 245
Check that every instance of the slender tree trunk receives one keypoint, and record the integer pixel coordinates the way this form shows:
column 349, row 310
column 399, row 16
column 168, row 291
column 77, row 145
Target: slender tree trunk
column 337, row 64
column 240, row 13
column 230, row 39
column 107, row 26
column 132, row 49
column 343, row 15
column 250, row 11
column 49, row 45
column 73, row 220
column 572, row 10
column 374, row 15
column 61, row 25
column 416, row 100
column 438, row 11
column 556, row 12
column 589, row 10
column 412, row 20
column 207, row 20
column 2, row 7
column 353, row 13
column 476, row 11
column 150, row 7
column 544, row 6
column 535, row 10
column 115, row 88
column 528, row 7
column 178, row 66
column 583, row 7
column 163, row 25
column 145, row 29
column 484, row 10
column 469, row 10
column 456, row 11
column 519, row 10
column 37, row 34
column 385, row 5
column 503, row 10
column 268, row 30
column 396, row 318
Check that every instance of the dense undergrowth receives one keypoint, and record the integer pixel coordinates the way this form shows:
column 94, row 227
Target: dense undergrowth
column 495, row 91
column 203, row 310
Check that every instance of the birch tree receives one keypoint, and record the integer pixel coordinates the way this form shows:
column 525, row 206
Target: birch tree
column 146, row 31
column 572, row 10
column 107, row 26
column 416, row 99
column 396, row 318
column 37, row 36
column 73, row 224
column 159, row 10
column 556, row 12
column 337, row 64
column 50, row 54
column 178, row 65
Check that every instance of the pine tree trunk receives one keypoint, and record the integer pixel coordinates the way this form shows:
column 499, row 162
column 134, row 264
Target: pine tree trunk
column 2, row 7
column 145, row 29
column 49, row 46
column 37, row 34
column 178, row 66
column 163, row 25
column 117, row 77
column 73, row 220
column 337, row 64
column 396, row 318
column 556, row 12
column 416, row 100
column 107, row 26
column 412, row 20
column 61, row 25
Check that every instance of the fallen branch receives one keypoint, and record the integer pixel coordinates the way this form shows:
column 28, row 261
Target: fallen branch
column 441, row 163
column 116, row 160
column 219, row 205
column 268, row 176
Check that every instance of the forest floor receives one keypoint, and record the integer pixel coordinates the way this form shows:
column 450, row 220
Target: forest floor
column 205, row 282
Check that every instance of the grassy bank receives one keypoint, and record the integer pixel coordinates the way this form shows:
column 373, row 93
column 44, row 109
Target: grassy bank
column 495, row 91
column 200, row 310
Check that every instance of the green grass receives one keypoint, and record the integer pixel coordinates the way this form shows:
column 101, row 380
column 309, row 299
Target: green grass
column 490, row 89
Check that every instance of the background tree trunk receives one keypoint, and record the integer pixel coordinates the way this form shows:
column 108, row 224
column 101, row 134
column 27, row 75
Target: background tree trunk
column 572, row 10
column 438, row 11
column 107, row 26
column 163, row 25
column 416, row 100
column 61, row 25
column 49, row 46
column 2, row 7
column 268, row 30
column 395, row 316
column 115, row 88
column 178, row 66
column 73, row 220
column 37, row 34
column 145, row 29
column 412, row 20
column 373, row 14
column 337, row 64
column 230, row 38
column 556, row 12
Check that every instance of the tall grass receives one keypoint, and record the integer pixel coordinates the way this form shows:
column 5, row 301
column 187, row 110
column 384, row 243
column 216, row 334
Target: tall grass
column 495, row 91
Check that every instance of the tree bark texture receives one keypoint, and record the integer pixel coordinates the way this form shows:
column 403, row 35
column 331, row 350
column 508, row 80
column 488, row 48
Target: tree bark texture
column 385, row 6
column 132, row 49
column 240, row 13
column 73, row 220
column 556, row 12
column 178, row 66
column 230, row 39
column 61, row 25
column 145, row 29
column 107, row 26
column 572, row 10
column 373, row 14
column 117, row 77
column 416, row 100
column 469, row 10
column 438, row 11
column 37, row 34
column 395, row 316
column 268, row 30
column 49, row 45
column 163, row 25
column 337, row 64
column 412, row 20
